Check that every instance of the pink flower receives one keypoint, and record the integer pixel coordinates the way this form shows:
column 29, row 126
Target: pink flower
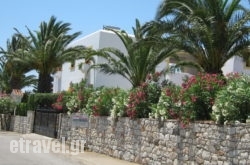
column 168, row 92
column 184, row 85
column 144, row 85
column 193, row 98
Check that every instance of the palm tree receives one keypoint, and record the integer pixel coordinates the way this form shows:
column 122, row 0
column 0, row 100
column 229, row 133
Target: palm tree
column 15, row 71
column 212, row 31
column 4, row 78
column 48, row 49
column 141, row 58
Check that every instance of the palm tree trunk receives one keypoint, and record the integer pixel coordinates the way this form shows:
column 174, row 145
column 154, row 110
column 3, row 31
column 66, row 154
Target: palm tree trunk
column 45, row 83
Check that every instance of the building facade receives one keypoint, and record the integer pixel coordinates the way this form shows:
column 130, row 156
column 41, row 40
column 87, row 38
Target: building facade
column 73, row 74
column 106, row 38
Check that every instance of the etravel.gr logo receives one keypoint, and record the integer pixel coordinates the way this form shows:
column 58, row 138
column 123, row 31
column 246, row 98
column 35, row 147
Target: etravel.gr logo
column 46, row 146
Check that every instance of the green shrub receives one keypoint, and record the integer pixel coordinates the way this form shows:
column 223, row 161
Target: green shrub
column 22, row 109
column 7, row 105
column 31, row 102
column 41, row 100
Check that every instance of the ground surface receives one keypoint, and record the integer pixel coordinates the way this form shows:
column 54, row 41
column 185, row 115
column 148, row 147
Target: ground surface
column 51, row 158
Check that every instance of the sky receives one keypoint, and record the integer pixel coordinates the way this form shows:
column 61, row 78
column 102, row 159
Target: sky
column 86, row 16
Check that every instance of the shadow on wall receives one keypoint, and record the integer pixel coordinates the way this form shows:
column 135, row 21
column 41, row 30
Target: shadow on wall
column 5, row 120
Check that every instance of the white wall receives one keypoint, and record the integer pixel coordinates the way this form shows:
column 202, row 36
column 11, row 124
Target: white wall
column 96, row 40
column 236, row 65
column 177, row 78
column 75, row 75
column 109, row 39
column 229, row 66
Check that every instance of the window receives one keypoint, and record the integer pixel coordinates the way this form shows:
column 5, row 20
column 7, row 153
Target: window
column 72, row 67
column 173, row 68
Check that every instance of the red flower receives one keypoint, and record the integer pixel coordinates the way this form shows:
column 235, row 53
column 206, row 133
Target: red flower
column 57, row 106
column 193, row 98
column 149, row 77
column 59, row 98
column 211, row 101
column 157, row 74
column 141, row 95
column 168, row 92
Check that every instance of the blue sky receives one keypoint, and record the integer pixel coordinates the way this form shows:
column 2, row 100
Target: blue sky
column 86, row 16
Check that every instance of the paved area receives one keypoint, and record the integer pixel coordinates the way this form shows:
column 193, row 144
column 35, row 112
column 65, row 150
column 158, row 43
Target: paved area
column 29, row 153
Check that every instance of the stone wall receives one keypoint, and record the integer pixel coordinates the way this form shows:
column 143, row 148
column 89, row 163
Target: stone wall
column 148, row 141
column 64, row 126
column 23, row 124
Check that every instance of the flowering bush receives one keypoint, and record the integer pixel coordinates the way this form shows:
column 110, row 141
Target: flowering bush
column 198, row 94
column 233, row 101
column 137, row 104
column 58, row 105
column 142, row 98
column 77, row 97
column 119, row 103
column 192, row 101
column 100, row 102
column 73, row 104
column 168, row 101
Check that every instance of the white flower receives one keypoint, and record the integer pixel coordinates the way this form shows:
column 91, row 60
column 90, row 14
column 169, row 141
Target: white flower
column 162, row 112
column 226, row 104
column 225, row 112
column 217, row 117
column 214, row 108
column 178, row 104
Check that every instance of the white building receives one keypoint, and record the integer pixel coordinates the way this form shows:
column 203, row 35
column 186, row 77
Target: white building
column 236, row 64
column 105, row 38
column 97, row 40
